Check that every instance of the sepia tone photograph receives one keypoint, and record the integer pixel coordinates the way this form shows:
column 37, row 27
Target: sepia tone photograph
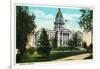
column 51, row 34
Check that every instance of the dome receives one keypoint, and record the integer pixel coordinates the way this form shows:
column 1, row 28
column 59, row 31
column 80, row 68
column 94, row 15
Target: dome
column 59, row 14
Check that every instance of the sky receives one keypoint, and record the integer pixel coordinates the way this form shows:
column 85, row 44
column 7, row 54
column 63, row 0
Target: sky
column 45, row 17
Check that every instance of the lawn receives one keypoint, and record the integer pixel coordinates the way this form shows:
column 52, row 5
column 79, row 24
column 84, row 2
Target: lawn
column 54, row 55
column 65, row 48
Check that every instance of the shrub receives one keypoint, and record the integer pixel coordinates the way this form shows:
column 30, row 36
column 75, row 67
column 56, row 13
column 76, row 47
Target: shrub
column 84, row 45
column 44, row 46
column 31, row 50
column 45, row 51
column 91, row 47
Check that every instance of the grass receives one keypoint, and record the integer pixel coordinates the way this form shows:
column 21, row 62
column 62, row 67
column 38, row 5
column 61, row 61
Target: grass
column 53, row 56
column 65, row 48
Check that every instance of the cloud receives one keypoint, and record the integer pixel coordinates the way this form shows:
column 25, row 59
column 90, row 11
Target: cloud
column 48, row 24
column 72, row 21
column 43, row 20
column 46, row 20
column 71, row 17
column 42, row 15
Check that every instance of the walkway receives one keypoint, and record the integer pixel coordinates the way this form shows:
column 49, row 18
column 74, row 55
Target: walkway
column 76, row 57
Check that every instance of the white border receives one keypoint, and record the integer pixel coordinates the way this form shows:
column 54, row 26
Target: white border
column 13, row 29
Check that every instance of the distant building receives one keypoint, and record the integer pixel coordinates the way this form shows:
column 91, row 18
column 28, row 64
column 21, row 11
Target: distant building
column 63, row 35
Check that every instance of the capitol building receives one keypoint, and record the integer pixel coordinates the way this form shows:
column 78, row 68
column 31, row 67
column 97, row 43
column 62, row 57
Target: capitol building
column 63, row 35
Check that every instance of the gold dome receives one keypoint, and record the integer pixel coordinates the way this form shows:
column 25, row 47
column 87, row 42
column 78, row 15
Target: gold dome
column 59, row 14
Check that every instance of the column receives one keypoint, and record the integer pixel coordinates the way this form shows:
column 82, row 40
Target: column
column 62, row 39
column 58, row 39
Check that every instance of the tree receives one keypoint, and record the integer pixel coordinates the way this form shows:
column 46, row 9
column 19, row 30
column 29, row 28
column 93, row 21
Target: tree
column 75, row 41
column 31, row 50
column 86, row 21
column 44, row 46
column 25, row 25
column 71, row 44
column 85, row 45
column 91, row 48
column 54, row 42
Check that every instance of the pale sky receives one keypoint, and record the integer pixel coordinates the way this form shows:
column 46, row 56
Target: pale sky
column 45, row 17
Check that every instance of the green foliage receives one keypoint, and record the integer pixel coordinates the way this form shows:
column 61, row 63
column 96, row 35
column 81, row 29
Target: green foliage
column 84, row 45
column 91, row 47
column 24, row 26
column 31, row 50
column 75, row 41
column 86, row 19
column 44, row 46
column 65, row 48
column 55, row 55
column 70, row 42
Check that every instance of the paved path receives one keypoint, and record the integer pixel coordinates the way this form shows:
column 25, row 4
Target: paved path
column 76, row 57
